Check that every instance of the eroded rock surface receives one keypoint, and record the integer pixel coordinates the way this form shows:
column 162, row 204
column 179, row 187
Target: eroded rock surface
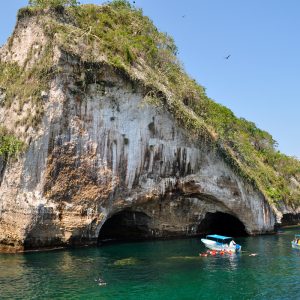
column 101, row 151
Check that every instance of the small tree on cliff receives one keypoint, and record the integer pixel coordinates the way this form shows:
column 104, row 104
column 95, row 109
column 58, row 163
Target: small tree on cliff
column 52, row 3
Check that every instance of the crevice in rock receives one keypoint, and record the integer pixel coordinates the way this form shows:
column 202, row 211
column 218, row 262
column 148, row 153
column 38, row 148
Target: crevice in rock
column 3, row 163
column 223, row 224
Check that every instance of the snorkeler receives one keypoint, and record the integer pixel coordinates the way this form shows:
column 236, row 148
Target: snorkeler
column 100, row 281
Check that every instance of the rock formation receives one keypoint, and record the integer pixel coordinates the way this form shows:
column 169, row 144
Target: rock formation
column 104, row 161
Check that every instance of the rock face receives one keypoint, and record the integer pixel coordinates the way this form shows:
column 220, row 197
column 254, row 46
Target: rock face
column 104, row 159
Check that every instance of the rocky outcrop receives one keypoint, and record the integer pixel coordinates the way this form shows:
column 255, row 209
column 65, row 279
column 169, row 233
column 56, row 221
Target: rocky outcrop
column 102, row 150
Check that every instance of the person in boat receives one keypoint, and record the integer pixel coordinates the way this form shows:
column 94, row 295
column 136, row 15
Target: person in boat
column 232, row 243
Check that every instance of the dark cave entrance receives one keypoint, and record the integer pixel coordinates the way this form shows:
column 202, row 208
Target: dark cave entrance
column 125, row 226
column 290, row 219
column 223, row 224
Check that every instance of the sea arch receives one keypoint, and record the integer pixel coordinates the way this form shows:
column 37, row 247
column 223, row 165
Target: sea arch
column 172, row 216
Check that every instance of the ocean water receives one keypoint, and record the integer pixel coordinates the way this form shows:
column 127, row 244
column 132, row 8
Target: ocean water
column 156, row 270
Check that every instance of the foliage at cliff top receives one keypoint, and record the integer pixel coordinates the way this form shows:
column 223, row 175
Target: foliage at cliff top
column 119, row 34
column 52, row 3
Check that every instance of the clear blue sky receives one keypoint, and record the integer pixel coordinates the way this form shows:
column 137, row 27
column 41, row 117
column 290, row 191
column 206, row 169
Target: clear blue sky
column 261, row 79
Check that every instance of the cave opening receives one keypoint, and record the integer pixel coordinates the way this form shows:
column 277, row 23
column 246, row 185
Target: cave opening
column 290, row 219
column 125, row 226
column 223, row 224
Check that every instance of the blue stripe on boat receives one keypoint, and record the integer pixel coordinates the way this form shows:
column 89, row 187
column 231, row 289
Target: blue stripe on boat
column 220, row 237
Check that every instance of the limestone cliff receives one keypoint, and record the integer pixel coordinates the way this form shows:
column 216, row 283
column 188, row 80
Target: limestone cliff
column 110, row 150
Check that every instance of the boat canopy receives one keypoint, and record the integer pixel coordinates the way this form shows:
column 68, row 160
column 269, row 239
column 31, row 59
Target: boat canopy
column 219, row 237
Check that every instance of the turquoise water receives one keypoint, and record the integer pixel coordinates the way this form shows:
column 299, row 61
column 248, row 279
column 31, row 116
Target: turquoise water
column 156, row 270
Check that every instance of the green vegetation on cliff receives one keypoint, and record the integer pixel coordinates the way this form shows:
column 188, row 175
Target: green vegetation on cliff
column 10, row 146
column 26, row 84
column 52, row 3
column 120, row 35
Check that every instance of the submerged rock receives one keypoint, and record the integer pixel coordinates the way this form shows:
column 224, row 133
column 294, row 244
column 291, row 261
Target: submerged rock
column 126, row 261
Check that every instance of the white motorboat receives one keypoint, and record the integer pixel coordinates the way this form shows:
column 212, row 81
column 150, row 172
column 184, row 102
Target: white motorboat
column 296, row 242
column 221, row 243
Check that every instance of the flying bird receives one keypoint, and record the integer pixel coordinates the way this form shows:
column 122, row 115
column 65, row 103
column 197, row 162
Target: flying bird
column 227, row 57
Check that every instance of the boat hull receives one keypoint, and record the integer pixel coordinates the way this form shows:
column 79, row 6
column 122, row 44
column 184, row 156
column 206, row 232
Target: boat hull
column 295, row 245
column 219, row 246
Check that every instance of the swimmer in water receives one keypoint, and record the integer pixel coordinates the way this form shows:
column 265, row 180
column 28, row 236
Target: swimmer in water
column 100, row 282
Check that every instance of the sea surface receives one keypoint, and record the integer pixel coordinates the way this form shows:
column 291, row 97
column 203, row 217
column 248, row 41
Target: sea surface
column 156, row 270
